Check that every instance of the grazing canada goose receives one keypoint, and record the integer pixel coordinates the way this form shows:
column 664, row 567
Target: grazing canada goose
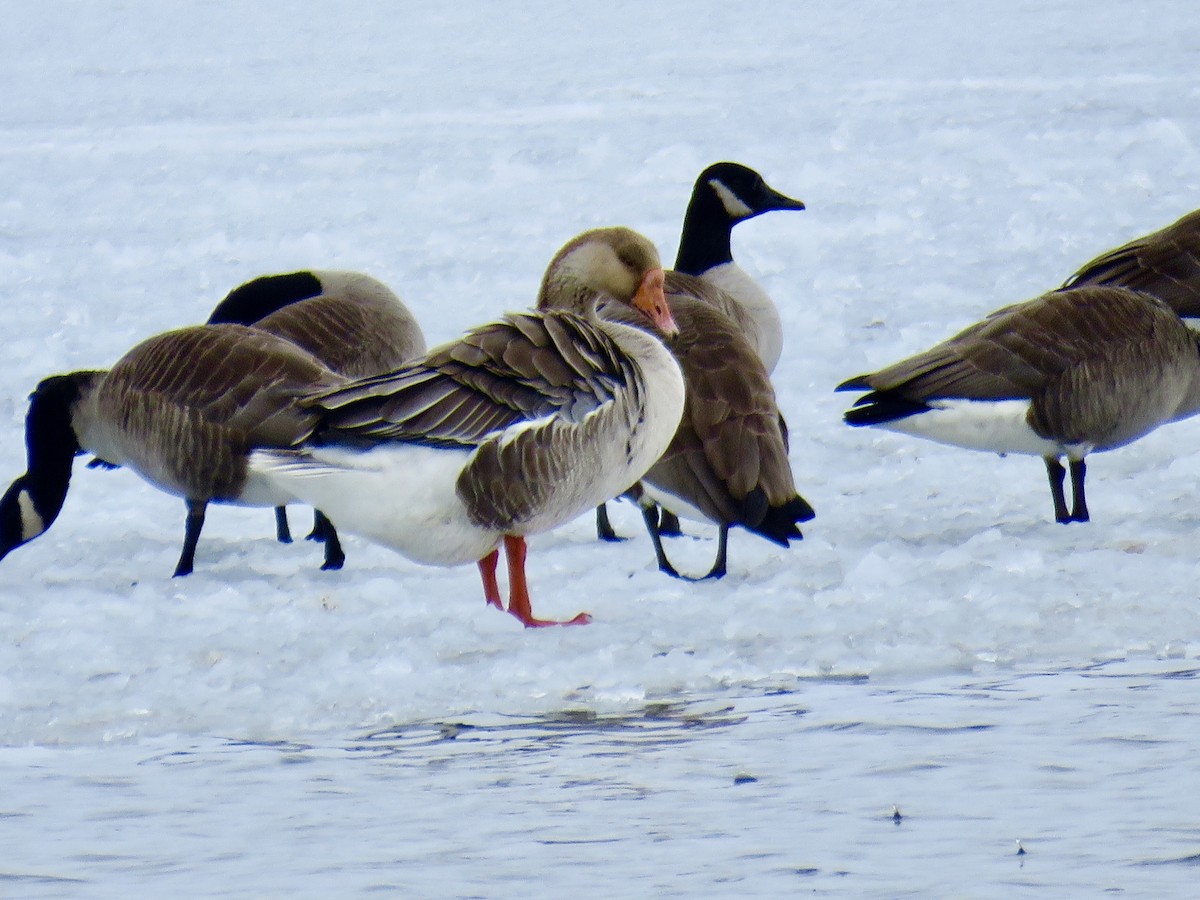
column 351, row 322
column 182, row 410
column 512, row 430
column 1071, row 372
column 723, row 195
column 1165, row 264
column 728, row 461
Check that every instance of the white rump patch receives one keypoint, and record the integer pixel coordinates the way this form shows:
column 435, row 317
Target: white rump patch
column 32, row 524
column 733, row 204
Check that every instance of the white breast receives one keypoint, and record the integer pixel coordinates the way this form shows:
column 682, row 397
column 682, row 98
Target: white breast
column 768, row 327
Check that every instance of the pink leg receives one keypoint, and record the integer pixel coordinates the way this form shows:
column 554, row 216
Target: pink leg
column 518, row 588
column 491, row 587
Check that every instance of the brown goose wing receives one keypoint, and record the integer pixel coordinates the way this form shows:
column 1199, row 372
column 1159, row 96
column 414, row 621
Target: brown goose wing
column 1165, row 264
column 1016, row 352
column 521, row 368
column 728, row 457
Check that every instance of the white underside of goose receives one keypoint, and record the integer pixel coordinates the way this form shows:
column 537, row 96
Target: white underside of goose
column 401, row 496
column 768, row 336
column 673, row 504
column 996, row 426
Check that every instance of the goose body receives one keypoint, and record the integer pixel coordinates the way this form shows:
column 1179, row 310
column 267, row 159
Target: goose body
column 512, row 430
column 182, row 410
column 1067, row 374
column 727, row 463
column 353, row 323
column 1164, row 264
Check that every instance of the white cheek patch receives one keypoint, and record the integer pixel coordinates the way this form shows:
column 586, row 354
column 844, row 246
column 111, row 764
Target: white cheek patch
column 32, row 523
column 732, row 203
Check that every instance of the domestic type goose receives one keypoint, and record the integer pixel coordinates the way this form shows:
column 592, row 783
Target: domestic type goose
column 723, row 195
column 1165, row 264
column 182, row 410
column 1066, row 374
column 351, row 322
column 728, row 461
column 512, row 430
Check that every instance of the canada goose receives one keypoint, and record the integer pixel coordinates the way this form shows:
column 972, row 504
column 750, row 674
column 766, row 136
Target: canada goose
column 1071, row 372
column 728, row 461
column 512, row 430
column 723, row 195
column 1165, row 264
column 182, row 410
column 351, row 322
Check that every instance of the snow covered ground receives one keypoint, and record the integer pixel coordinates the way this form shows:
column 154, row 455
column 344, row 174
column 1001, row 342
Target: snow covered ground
column 937, row 642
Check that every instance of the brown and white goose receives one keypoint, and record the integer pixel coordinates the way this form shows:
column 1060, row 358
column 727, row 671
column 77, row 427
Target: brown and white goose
column 512, row 430
column 182, row 410
column 1066, row 374
column 728, row 461
column 1165, row 264
column 351, row 322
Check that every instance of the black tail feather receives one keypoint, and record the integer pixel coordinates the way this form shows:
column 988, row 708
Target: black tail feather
column 878, row 407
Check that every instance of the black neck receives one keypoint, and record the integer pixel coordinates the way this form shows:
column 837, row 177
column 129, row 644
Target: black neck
column 50, row 444
column 257, row 299
column 707, row 226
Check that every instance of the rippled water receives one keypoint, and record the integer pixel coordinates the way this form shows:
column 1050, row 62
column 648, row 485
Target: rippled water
column 843, row 787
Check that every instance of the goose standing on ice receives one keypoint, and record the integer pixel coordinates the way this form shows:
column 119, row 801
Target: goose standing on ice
column 512, row 430
column 182, row 410
column 353, row 323
column 723, row 195
column 1066, row 374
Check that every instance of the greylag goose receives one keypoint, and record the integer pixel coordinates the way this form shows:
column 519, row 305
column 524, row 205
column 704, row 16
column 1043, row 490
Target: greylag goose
column 1066, row 374
column 1165, row 264
column 351, row 322
column 512, row 430
column 182, row 410
column 723, row 195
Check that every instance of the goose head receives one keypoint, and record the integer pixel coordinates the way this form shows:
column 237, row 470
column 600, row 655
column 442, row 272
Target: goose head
column 34, row 500
column 740, row 192
column 608, row 263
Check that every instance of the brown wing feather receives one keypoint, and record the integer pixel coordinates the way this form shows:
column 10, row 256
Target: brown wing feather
column 525, row 366
column 1016, row 352
column 1165, row 264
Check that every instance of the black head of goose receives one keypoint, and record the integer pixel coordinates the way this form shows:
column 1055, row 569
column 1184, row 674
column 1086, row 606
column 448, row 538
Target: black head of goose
column 182, row 410
column 511, row 430
column 725, row 194
column 1071, row 372
column 353, row 323
column 728, row 461
column 1165, row 264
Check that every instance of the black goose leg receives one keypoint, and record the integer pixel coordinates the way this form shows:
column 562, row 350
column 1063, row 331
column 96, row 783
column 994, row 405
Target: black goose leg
column 650, row 517
column 1056, row 472
column 191, row 536
column 321, row 527
column 604, row 529
column 668, row 524
column 718, row 568
column 335, row 558
column 1079, row 510
column 283, row 532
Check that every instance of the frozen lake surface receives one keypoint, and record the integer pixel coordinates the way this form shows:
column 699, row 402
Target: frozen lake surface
column 936, row 644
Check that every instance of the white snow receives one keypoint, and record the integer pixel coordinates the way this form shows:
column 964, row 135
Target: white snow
column 946, row 647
